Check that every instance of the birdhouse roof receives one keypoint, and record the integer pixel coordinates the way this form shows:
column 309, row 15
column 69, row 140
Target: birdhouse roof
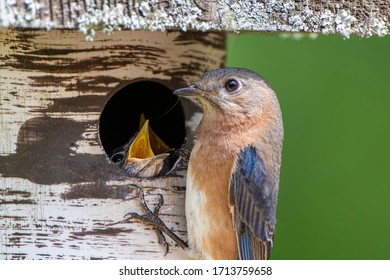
column 364, row 18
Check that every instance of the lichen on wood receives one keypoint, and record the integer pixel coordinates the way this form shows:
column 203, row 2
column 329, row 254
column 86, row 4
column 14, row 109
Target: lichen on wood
column 364, row 18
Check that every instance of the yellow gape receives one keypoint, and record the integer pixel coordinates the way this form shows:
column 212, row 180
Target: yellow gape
column 148, row 155
column 141, row 148
column 147, row 144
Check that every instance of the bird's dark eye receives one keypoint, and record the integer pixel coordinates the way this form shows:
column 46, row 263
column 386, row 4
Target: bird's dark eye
column 232, row 85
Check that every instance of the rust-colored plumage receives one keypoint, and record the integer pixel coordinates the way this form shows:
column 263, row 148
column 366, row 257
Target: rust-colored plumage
column 233, row 174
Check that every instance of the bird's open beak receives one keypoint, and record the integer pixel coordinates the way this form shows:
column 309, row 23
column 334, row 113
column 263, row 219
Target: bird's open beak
column 157, row 144
column 141, row 148
column 147, row 144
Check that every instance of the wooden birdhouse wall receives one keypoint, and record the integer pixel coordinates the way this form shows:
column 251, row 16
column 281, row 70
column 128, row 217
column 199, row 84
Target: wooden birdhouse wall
column 59, row 191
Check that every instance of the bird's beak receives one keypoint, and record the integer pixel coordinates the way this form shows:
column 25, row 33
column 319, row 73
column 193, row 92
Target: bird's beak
column 147, row 144
column 141, row 148
column 190, row 91
column 157, row 144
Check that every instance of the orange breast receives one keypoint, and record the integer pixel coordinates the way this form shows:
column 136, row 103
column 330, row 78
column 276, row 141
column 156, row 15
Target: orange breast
column 209, row 173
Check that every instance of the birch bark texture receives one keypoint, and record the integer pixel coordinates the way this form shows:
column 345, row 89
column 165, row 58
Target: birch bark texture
column 59, row 192
column 346, row 17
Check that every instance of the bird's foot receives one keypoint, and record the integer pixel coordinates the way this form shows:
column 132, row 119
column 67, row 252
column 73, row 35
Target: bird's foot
column 152, row 218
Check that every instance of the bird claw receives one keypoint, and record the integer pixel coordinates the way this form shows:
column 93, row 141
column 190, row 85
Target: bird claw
column 152, row 218
column 163, row 241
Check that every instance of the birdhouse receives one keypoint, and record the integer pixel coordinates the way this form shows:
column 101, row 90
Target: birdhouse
column 89, row 127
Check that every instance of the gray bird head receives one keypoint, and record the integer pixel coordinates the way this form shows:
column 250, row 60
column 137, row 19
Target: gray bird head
column 234, row 91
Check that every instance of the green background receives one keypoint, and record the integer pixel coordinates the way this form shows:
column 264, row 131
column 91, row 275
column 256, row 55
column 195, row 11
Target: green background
column 334, row 198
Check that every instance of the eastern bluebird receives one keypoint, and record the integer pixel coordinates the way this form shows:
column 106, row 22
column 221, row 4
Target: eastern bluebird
column 233, row 173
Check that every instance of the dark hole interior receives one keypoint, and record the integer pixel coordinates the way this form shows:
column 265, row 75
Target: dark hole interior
column 120, row 117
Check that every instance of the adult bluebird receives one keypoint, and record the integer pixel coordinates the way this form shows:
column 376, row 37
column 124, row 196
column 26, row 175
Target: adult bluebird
column 233, row 172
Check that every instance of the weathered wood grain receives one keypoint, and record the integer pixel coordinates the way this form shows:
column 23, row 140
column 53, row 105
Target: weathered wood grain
column 59, row 192
column 364, row 18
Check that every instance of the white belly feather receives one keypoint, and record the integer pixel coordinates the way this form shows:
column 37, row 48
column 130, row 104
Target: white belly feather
column 198, row 222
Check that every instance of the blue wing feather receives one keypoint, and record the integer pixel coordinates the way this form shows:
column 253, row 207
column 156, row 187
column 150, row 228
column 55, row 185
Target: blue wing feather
column 244, row 247
column 254, row 202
